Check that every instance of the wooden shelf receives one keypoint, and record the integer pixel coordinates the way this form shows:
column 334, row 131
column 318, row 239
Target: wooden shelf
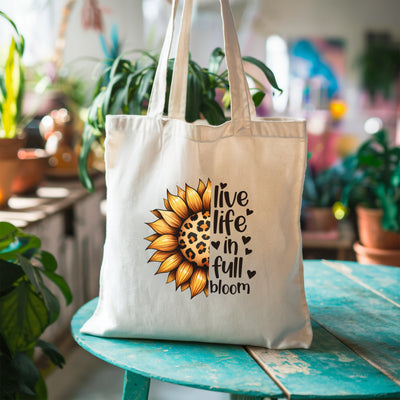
column 339, row 242
column 69, row 222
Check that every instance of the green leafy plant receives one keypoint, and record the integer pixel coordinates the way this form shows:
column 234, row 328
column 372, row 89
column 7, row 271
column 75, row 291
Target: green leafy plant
column 376, row 179
column 129, row 87
column 12, row 85
column 27, row 308
column 380, row 65
column 324, row 188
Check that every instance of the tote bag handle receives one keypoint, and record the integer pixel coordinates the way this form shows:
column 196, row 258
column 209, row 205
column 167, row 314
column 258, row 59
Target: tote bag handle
column 242, row 106
column 157, row 95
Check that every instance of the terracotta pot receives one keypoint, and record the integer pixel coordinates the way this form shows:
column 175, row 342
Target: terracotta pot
column 9, row 147
column 33, row 165
column 9, row 166
column 369, row 255
column 371, row 232
column 320, row 219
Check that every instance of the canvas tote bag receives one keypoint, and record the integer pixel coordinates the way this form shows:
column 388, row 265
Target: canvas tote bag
column 203, row 240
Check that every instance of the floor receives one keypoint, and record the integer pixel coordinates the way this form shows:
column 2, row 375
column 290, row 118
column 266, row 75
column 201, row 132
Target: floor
column 85, row 377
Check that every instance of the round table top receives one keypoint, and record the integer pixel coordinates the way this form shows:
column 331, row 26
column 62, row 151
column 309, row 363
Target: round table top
column 217, row 367
column 355, row 311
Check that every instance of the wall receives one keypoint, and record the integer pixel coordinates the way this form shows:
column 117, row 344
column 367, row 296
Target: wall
column 347, row 19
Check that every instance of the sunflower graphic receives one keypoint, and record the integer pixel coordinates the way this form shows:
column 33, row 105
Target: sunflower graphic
column 182, row 238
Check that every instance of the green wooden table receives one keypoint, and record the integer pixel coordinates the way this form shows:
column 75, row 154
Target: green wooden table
column 355, row 354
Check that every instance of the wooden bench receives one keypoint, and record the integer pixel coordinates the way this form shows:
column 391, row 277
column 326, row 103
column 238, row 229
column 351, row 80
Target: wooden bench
column 355, row 312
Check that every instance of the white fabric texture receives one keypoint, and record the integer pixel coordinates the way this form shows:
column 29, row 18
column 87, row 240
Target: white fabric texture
column 238, row 203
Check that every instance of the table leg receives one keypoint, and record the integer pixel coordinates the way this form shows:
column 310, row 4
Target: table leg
column 136, row 387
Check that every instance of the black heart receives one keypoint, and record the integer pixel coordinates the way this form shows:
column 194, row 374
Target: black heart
column 246, row 239
column 250, row 274
column 223, row 185
column 248, row 251
column 215, row 245
column 249, row 212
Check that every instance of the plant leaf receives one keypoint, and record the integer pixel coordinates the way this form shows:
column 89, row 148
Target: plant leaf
column 9, row 274
column 51, row 301
column 88, row 137
column 145, row 85
column 29, row 270
column 51, row 351
column 258, row 96
column 20, row 44
column 47, row 260
column 12, row 81
column 267, row 72
column 7, row 232
column 18, row 376
column 23, row 317
column 61, row 284
column 194, row 90
column 215, row 60
column 23, row 244
column 27, row 372
column 212, row 112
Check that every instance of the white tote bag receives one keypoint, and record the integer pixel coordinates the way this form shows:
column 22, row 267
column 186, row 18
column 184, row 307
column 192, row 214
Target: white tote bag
column 203, row 240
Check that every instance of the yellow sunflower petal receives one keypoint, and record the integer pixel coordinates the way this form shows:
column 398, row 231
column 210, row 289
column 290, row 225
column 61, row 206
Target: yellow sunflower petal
column 206, row 290
column 171, row 263
column 207, row 197
column 181, row 193
column 156, row 213
column 178, row 205
column 171, row 276
column 171, row 218
column 201, row 188
column 193, row 199
column 184, row 286
column 167, row 205
column 161, row 256
column 152, row 238
column 161, row 227
column 164, row 243
column 198, row 281
column 183, row 273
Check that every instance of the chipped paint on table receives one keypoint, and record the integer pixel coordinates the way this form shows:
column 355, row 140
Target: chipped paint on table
column 355, row 352
column 366, row 320
column 224, row 368
column 329, row 369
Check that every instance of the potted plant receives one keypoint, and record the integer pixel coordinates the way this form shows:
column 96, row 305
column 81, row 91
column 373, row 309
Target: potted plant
column 321, row 194
column 27, row 308
column 129, row 87
column 22, row 170
column 375, row 194
column 12, row 84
